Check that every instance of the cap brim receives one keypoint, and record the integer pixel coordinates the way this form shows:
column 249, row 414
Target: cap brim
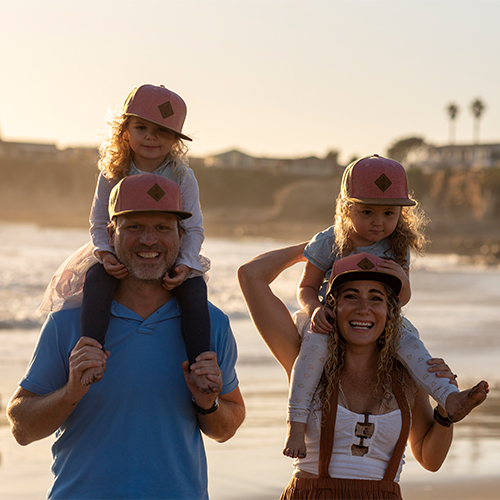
column 180, row 214
column 390, row 280
column 396, row 202
column 182, row 136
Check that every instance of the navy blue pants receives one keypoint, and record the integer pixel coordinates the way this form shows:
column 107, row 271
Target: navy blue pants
column 98, row 292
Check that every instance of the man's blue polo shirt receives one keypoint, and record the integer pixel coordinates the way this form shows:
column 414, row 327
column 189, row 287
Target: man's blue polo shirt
column 135, row 433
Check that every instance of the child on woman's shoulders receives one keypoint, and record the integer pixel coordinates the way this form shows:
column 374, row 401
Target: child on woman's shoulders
column 374, row 214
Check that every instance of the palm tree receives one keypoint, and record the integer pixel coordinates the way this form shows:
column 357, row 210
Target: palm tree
column 477, row 107
column 452, row 113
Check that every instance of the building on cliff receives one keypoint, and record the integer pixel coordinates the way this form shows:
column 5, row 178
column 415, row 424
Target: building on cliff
column 32, row 152
column 460, row 157
column 308, row 166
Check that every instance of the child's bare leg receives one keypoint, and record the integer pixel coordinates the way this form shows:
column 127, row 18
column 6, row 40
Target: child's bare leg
column 92, row 375
column 460, row 404
column 295, row 444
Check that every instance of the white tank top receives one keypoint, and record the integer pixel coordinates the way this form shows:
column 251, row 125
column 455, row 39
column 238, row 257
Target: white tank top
column 377, row 449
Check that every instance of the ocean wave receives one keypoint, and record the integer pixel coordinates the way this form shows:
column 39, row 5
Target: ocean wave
column 20, row 324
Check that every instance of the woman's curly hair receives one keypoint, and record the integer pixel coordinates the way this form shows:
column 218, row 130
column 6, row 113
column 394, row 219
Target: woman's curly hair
column 408, row 235
column 116, row 155
column 388, row 343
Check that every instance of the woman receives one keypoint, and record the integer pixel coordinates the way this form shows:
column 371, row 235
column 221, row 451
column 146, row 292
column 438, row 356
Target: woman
column 366, row 407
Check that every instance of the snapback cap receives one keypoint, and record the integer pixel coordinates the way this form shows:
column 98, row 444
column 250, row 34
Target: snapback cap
column 358, row 267
column 159, row 105
column 375, row 180
column 146, row 193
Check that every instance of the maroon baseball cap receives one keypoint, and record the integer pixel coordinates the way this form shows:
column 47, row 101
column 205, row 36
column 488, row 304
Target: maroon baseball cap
column 146, row 193
column 358, row 267
column 375, row 180
column 159, row 105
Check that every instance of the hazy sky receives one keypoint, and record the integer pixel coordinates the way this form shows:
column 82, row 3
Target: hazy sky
column 270, row 77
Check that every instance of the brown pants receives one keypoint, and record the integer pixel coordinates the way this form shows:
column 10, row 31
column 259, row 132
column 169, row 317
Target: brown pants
column 329, row 488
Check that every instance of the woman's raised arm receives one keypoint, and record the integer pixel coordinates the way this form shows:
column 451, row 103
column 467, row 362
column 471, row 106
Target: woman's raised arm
column 269, row 314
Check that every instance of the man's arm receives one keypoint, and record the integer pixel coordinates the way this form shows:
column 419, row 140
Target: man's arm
column 34, row 417
column 223, row 423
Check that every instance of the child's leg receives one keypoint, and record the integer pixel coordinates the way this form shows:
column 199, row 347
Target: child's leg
column 414, row 355
column 306, row 374
column 195, row 321
column 98, row 291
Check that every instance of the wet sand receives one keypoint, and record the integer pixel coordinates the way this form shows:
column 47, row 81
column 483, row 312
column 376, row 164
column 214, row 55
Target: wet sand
column 250, row 466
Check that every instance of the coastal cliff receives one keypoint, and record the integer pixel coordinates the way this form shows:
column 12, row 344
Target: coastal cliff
column 463, row 207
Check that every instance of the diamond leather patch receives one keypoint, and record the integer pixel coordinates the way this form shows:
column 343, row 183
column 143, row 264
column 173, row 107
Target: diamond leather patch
column 166, row 109
column 383, row 183
column 365, row 264
column 156, row 192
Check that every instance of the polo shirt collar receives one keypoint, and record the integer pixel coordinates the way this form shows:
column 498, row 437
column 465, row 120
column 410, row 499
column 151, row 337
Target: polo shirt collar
column 170, row 309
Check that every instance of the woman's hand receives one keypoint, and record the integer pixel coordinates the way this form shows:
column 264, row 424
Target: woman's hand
column 321, row 320
column 441, row 369
column 179, row 275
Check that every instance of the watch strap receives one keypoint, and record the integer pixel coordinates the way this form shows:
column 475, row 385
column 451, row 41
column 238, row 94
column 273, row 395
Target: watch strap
column 203, row 411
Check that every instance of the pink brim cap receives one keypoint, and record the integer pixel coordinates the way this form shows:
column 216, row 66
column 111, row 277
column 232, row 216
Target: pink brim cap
column 375, row 180
column 146, row 193
column 159, row 105
column 360, row 267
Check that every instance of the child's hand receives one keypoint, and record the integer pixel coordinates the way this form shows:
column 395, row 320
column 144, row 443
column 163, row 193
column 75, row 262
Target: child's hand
column 320, row 320
column 113, row 266
column 392, row 267
column 179, row 275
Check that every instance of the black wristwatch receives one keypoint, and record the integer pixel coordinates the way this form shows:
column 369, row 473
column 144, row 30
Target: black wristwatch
column 444, row 421
column 202, row 411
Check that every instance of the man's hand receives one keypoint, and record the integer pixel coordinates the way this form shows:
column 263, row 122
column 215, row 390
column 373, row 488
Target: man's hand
column 113, row 266
column 180, row 273
column 35, row 417
column 206, row 367
column 86, row 354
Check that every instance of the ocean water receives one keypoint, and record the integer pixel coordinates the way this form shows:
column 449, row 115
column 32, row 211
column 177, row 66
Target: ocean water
column 455, row 306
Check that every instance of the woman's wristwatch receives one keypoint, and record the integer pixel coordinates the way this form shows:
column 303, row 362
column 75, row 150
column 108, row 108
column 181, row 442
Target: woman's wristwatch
column 202, row 411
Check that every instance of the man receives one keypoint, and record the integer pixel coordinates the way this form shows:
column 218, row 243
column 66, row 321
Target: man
column 136, row 433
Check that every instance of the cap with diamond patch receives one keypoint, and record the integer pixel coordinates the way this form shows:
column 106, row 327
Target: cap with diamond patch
column 146, row 193
column 159, row 105
column 375, row 180
column 358, row 267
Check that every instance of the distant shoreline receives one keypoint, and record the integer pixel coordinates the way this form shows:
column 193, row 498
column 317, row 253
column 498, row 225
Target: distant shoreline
column 476, row 248
column 477, row 245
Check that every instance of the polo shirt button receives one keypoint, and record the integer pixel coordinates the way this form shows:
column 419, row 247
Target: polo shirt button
column 145, row 330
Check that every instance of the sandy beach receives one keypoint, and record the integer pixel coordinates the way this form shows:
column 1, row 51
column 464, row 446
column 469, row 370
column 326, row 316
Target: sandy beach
column 250, row 466
column 463, row 327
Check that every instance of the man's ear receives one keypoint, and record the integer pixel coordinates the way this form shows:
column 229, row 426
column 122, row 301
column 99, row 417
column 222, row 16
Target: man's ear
column 111, row 234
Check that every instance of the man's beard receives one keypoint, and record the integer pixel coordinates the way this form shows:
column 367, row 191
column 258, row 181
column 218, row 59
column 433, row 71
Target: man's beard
column 151, row 273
